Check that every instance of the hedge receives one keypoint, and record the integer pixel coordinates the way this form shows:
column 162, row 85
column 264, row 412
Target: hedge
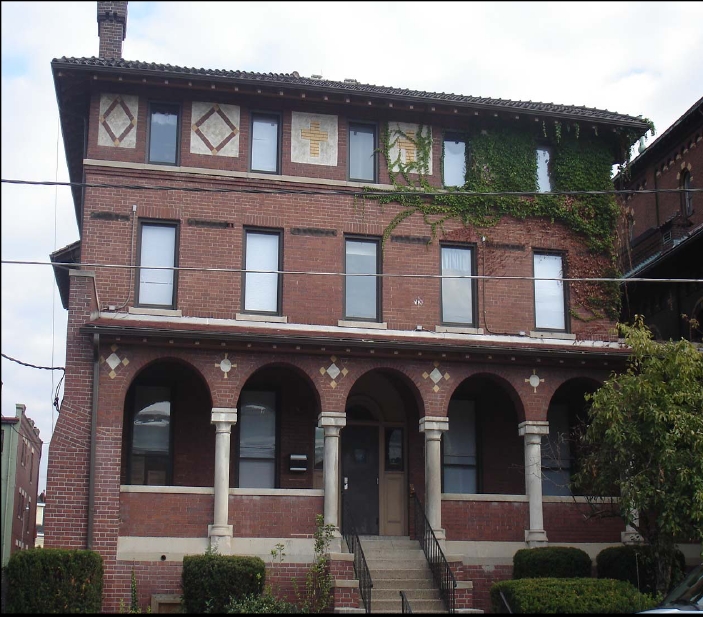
column 52, row 580
column 264, row 603
column 210, row 581
column 551, row 562
column 568, row 595
column 624, row 562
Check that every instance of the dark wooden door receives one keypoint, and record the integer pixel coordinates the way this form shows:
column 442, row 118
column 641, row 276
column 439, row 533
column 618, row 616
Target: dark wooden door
column 360, row 477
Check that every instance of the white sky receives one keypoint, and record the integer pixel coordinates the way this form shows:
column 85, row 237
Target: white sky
column 631, row 57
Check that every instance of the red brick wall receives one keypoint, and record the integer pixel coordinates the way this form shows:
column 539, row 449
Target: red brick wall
column 497, row 521
column 571, row 522
column 483, row 578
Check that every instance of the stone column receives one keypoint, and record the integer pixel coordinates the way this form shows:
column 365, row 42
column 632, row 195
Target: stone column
column 332, row 422
column 433, row 427
column 532, row 431
column 630, row 535
column 220, row 532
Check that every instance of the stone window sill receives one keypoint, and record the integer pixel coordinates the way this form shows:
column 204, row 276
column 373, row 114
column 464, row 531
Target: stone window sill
column 253, row 317
column 137, row 310
column 458, row 330
column 342, row 323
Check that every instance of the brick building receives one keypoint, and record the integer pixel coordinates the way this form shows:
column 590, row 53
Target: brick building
column 301, row 340
column 662, row 233
column 21, row 455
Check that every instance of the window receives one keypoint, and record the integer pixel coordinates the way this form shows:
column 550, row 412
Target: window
column 454, row 164
column 157, row 248
column 362, row 292
column 151, row 436
column 264, row 142
column 544, row 170
column 394, row 449
column 262, row 289
column 163, row 133
column 556, row 454
column 549, row 294
column 257, row 440
column 459, row 445
column 362, row 152
column 457, row 293
column 687, row 197
column 319, row 448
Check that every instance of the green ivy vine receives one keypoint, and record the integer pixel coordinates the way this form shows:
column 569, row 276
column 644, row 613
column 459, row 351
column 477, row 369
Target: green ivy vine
column 503, row 160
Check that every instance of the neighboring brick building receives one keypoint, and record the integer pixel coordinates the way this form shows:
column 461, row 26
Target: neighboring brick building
column 21, row 455
column 313, row 379
column 662, row 233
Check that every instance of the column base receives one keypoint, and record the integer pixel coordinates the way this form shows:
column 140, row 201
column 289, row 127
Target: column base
column 220, row 538
column 536, row 537
column 630, row 537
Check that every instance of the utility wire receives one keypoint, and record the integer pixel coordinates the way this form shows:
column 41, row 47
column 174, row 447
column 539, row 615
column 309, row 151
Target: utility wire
column 367, row 193
column 349, row 274
column 46, row 368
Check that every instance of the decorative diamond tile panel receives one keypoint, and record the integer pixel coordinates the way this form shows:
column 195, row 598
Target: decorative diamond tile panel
column 225, row 365
column 117, row 126
column 436, row 376
column 114, row 361
column 314, row 139
column 215, row 129
column 402, row 138
column 333, row 372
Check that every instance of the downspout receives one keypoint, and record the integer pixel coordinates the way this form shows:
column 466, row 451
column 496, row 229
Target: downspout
column 656, row 197
column 93, row 432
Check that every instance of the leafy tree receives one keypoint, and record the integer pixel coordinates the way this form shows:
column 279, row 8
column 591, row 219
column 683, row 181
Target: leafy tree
column 644, row 443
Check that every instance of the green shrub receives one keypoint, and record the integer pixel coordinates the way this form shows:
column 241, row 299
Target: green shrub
column 52, row 580
column 210, row 581
column 568, row 595
column 551, row 562
column 264, row 603
column 625, row 563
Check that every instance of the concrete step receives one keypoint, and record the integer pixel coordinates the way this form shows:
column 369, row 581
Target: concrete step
column 401, row 562
column 418, row 606
column 373, row 552
column 411, row 594
column 397, row 584
column 401, row 573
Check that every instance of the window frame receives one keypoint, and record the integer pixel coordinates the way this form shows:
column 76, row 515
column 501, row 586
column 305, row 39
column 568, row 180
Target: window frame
column 176, row 250
column 455, row 137
column 550, row 166
column 374, row 152
column 379, row 288
column 474, row 286
column 687, row 195
column 277, row 436
column 565, row 291
column 479, row 450
column 253, row 115
column 179, row 114
column 279, row 283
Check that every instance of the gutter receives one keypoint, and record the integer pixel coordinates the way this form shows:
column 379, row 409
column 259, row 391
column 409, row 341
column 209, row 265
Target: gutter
column 93, row 433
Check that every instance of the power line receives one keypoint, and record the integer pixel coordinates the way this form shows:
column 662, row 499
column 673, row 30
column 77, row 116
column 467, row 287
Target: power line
column 371, row 190
column 349, row 274
column 46, row 368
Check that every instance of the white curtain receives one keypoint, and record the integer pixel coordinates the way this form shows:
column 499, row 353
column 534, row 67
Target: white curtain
column 549, row 295
column 457, row 304
column 158, row 249
column 261, row 289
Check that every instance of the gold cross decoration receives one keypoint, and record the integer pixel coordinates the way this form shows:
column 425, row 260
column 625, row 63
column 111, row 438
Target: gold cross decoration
column 534, row 380
column 315, row 135
column 408, row 146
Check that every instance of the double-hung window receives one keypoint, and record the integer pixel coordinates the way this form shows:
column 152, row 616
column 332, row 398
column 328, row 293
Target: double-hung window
column 257, row 439
column 457, row 293
column 550, row 300
column 362, row 293
column 454, row 163
column 265, row 142
column 460, row 457
column 157, row 249
column 362, row 152
column 262, row 290
column 163, row 133
column 544, row 170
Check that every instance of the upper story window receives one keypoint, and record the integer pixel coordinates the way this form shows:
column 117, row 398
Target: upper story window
column 454, row 163
column 150, row 461
column 544, row 170
column 163, row 133
column 550, row 301
column 687, row 196
column 262, row 289
column 157, row 248
column 362, row 293
column 265, row 138
column 257, row 440
column 362, row 152
column 457, row 293
column 460, row 457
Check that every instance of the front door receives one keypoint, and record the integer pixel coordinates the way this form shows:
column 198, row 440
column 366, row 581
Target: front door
column 360, row 477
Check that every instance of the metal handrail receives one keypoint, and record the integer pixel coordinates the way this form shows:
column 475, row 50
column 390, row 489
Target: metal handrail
column 405, row 605
column 443, row 576
column 361, row 569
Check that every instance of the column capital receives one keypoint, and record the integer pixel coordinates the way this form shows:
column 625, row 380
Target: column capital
column 329, row 419
column 533, row 427
column 434, row 423
column 224, row 415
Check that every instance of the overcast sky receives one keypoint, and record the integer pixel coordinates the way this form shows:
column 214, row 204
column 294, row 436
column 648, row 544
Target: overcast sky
column 634, row 58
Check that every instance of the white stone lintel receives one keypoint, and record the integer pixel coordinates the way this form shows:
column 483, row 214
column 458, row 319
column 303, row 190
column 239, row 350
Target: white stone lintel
column 332, row 419
column 434, row 423
column 224, row 414
column 533, row 427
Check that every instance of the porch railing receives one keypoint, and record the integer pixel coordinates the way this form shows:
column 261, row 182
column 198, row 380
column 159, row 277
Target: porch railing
column 405, row 605
column 441, row 572
column 361, row 569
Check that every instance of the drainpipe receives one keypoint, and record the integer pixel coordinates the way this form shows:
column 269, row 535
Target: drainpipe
column 93, row 431
column 656, row 196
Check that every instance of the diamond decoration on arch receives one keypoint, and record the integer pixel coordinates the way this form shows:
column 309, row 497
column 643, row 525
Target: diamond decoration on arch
column 113, row 361
column 333, row 371
column 436, row 376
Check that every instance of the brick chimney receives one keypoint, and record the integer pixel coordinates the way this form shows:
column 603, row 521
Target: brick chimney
column 112, row 28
